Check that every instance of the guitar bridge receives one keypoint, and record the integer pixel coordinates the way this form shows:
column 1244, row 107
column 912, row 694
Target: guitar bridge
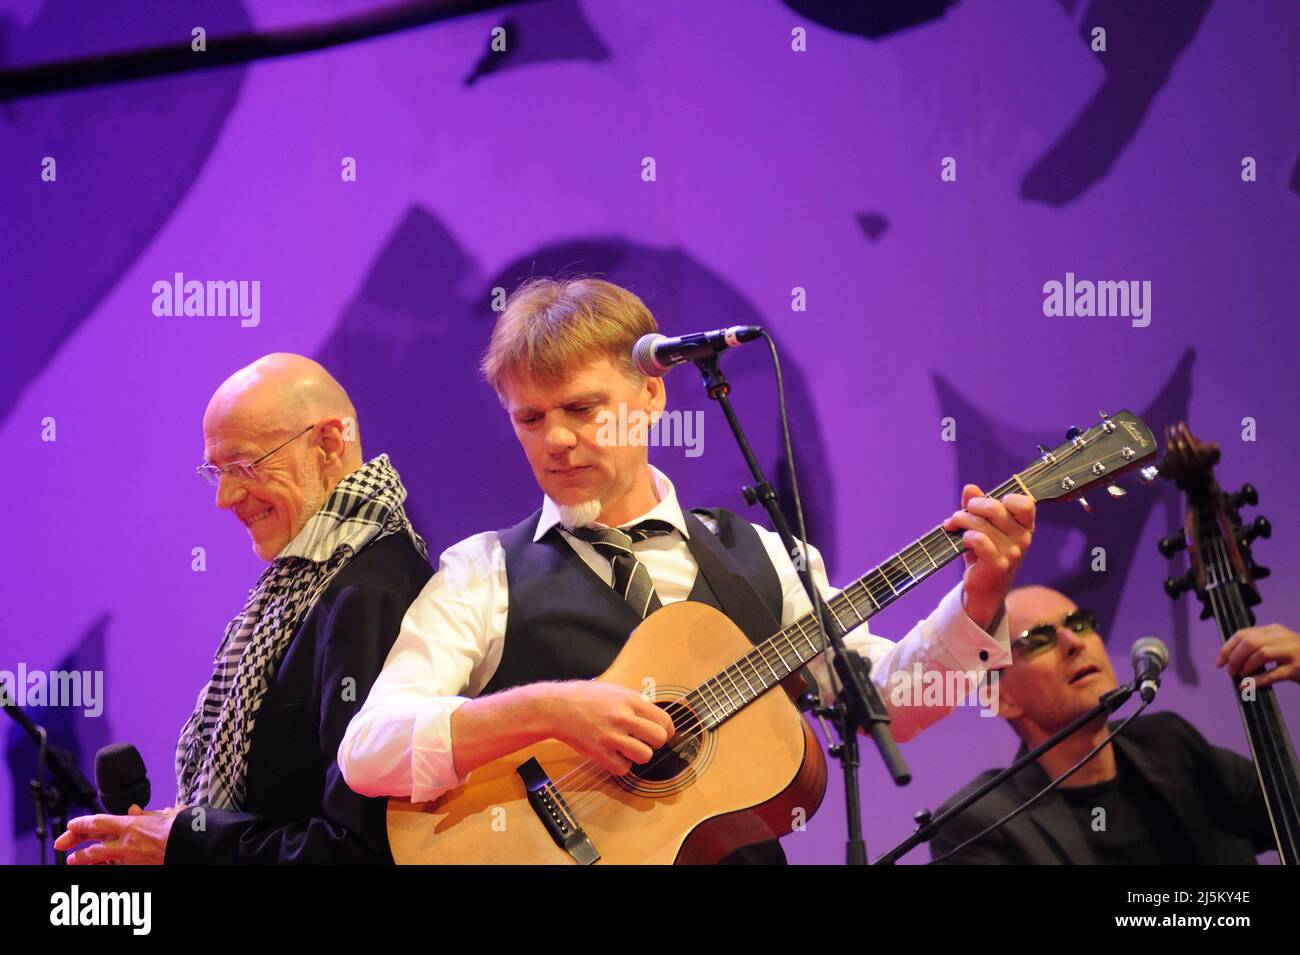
column 555, row 814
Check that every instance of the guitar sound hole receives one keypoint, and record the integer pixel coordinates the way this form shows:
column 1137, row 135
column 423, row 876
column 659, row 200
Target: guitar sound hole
column 676, row 756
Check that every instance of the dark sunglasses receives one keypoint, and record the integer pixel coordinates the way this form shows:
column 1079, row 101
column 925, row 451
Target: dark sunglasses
column 1043, row 637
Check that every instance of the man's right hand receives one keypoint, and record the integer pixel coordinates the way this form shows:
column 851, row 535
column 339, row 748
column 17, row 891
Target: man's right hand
column 609, row 724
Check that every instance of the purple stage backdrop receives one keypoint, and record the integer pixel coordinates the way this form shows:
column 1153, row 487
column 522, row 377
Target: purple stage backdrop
column 889, row 187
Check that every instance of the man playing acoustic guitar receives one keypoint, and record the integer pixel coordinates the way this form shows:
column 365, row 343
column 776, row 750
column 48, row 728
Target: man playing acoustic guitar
column 500, row 649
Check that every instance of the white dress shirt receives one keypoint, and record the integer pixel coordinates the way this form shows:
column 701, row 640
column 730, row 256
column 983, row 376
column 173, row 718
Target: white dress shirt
column 450, row 644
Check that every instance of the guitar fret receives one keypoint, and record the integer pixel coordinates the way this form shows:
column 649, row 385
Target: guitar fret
column 790, row 640
column 716, row 708
column 753, row 695
column 901, row 557
column 725, row 691
column 802, row 633
column 735, row 686
column 705, row 705
column 887, row 580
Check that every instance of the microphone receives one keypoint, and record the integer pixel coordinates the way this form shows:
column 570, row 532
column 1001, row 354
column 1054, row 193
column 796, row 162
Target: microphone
column 1149, row 656
column 121, row 779
column 655, row 355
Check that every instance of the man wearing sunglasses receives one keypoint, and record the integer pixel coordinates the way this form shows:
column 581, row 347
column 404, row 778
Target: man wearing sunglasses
column 256, row 774
column 1159, row 794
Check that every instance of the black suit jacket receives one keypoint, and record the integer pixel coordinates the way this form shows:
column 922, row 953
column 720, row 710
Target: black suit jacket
column 298, row 808
column 1213, row 793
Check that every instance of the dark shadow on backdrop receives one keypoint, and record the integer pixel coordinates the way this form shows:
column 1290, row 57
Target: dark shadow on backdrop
column 408, row 346
column 125, row 158
column 67, row 728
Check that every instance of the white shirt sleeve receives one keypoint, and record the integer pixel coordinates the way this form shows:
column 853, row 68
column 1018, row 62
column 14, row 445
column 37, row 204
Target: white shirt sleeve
column 399, row 744
column 947, row 641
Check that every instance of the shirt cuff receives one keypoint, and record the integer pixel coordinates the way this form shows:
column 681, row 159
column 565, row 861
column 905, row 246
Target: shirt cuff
column 433, row 769
column 969, row 645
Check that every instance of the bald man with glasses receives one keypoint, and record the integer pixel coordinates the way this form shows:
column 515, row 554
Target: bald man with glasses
column 257, row 779
column 1158, row 794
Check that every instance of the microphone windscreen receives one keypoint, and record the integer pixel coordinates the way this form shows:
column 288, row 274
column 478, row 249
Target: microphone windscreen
column 1150, row 645
column 643, row 356
column 120, row 778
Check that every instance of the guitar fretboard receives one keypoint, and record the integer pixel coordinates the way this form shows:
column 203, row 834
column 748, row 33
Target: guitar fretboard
column 726, row 693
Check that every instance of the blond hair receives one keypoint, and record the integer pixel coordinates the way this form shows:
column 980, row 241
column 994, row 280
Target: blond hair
column 551, row 327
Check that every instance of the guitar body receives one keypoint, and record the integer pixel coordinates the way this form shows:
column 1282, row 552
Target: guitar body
column 748, row 780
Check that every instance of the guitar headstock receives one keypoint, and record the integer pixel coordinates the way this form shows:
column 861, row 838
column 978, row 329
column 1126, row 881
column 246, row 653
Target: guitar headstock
column 1120, row 443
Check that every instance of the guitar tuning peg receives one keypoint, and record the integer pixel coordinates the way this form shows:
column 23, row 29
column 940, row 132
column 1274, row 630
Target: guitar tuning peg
column 1176, row 586
column 1149, row 473
column 1072, row 434
column 1258, row 572
column 1102, row 415
column 1247, row 495
column 1168, row 546
column 1044, row 449
column 1114, row 490
column 1083, row 502
column 1259, row 527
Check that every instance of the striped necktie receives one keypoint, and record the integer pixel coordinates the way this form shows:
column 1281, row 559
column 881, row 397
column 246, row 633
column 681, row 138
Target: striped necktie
column 631, row 579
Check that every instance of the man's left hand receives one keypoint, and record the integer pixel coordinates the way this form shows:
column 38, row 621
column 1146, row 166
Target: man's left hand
column 1250, row 649
column 138, row 838
column 996, row 535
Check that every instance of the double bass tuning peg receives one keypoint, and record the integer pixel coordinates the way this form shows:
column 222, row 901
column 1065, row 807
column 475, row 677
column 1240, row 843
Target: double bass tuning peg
column 1246, row 496
column 1259, row 527
column 1172, row 544
column 1177, row 586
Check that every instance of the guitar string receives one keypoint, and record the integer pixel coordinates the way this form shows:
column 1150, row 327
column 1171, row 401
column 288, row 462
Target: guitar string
column 590, row 772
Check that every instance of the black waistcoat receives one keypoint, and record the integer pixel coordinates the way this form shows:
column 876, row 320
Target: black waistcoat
column 565, row 623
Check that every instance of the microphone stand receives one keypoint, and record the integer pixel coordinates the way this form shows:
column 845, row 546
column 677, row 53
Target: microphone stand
column 70, row 787
column 927, row 826
column 858, row 705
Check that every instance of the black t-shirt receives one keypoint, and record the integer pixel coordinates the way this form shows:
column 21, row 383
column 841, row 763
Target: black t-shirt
column 1137, row 826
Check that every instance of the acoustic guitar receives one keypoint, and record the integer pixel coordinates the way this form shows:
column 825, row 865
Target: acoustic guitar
column 742, row 766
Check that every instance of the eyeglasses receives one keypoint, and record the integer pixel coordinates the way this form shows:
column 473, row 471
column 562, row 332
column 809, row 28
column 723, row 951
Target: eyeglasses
column 244, row 470
column 1043, row 637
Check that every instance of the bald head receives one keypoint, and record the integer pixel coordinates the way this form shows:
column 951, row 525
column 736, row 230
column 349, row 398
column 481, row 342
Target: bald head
column 1045, row 689
column 288, row 414
column 281, row 392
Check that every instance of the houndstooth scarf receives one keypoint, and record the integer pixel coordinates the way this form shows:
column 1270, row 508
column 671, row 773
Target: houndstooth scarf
column 212, row 752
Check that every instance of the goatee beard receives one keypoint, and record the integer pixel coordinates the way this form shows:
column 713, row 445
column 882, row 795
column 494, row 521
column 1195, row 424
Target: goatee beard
column 579, row 515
